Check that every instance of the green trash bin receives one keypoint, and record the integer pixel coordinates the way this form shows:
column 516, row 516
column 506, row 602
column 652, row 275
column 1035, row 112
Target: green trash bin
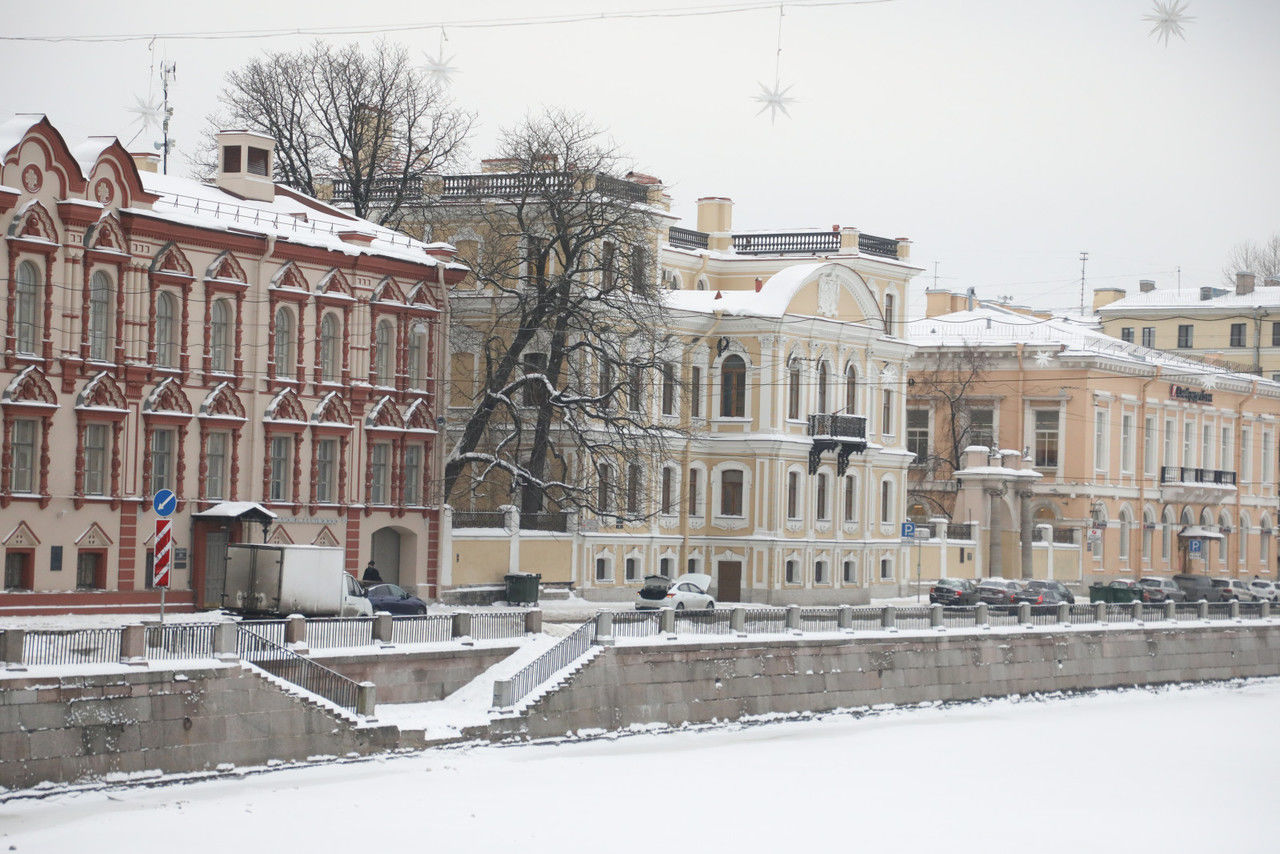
column 522, row 588
column 1099, row 592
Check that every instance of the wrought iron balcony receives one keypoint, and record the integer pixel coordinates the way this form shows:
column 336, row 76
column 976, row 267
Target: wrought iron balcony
column 1184, row 474
column 383, row 190
column 845, row 434
column 687, row 238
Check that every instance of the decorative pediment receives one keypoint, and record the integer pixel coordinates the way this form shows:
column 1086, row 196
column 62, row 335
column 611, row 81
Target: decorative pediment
column 418, row 416
column 423, row 294
column 93, row 538
column 285, row 406
column 167, row 397
column 34, row 222
column 30, row 386
column 171, row 259
column 384, row 414
column 223, row 402
column 325, row 538
column 101, row 392
column 332, row 410
column 289, row 276
column 106, row 234
column 226, row 268
column 388, row 290
column 334, row 282
column 21, row 537
column 279, row 537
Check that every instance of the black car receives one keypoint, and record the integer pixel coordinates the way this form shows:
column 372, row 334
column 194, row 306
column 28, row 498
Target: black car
column 394, row 600
column 1039, row 595
column 997, row 592
column 953, row 591
column 1061, row 589
column 1197, row 587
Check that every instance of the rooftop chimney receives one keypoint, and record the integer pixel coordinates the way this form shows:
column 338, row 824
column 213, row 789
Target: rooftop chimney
column 246, row 162
column 1271, row 282
column 1206, row 293
column 1244, row 283
column 715, row 214
column 1106, row 296
column 146, row 161
column 1146, row 286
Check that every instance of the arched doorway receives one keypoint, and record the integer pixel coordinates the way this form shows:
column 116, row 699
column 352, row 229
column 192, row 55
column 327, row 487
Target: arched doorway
column 394, row 550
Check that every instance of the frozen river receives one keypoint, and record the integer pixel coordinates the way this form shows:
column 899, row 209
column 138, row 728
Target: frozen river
column 1187, row 769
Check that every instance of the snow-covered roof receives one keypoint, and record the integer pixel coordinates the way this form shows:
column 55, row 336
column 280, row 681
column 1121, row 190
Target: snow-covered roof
column 234, row 510
column 1189, row 298
column 774, row 296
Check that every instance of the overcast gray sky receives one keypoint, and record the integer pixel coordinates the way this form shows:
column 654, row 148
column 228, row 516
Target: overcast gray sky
column 1002, row 136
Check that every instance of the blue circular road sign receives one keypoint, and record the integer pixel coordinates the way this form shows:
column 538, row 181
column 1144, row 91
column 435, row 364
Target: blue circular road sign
column 165, row 502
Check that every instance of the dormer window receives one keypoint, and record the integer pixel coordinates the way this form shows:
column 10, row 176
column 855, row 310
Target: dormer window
column 258, row 159
column 230, row 158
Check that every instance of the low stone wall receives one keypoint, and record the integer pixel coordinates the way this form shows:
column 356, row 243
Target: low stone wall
column 416, row 677
column 69, row 728
column 677, row 682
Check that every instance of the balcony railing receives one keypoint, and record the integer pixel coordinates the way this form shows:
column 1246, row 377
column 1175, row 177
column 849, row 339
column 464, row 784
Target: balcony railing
column 869, row 244
column 479, row 519
column 687, row 238
column 383, row 190
column 607, row 185
column 838, row 426
column 504, row 184
column 787, row 242
column 554, row 522
column 1185, row 474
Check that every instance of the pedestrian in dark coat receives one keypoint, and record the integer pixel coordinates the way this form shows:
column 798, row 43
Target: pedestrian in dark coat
column 371, row 575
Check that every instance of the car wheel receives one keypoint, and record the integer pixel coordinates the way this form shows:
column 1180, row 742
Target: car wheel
column 679, row 606
column 422, row 611
column 711, row 605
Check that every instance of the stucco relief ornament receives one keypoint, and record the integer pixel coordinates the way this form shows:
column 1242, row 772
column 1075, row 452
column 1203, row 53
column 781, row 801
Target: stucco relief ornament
column 828, row 295
column 1168, row 16
column 103, row 192
column 1044, row 359
column 32, row 180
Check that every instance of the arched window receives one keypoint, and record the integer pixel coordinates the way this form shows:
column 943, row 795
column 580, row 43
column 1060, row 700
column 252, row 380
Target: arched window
column 1126, row 523
column 1166, row 535
column 284, row 358
column 330, row 344
column 823, row 373
column 888, row 313
column 220, row 336
column 793, row 389
column 166, row 330
column 1264, row 544
column 382, row 351
column 822, row 513
column 1224, row 528
column 733, row 387
column 1148, row 523
column 886, row 500
column 26, row 323
column 100, row 316
column 851, row 390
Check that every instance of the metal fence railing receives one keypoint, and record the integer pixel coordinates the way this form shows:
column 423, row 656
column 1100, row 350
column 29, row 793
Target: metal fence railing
column 422, row 628
column 820, row 619
column 72, row 646
column 765, row 621
column 330, row 632
column 914, row 617
column 191, row 640
column 959, row 617
column 286, row 664
column 636, row 624
column 1219, row 610
column 1186, row 611
column 508, row 692
column 715, row 622
column 272, row 630
column 499, row 624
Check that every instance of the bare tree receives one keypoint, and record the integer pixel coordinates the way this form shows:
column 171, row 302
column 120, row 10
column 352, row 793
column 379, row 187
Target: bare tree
column 1261, row 259
column 369, row 123
column 565, row 324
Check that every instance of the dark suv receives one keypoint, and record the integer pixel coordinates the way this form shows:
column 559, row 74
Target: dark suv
column 1197, row 587
column 1064, row 593
column 953, row 591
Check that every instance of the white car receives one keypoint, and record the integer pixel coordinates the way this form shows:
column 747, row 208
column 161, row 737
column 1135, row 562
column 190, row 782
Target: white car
column 1264, row 590
column 688, row 591
column 1234, row 588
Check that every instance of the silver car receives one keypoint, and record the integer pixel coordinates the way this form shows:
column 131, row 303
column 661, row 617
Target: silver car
column 688, row 591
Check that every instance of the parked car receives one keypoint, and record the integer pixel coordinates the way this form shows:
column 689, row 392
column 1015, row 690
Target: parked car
column 394, row 600
column 1062, row 590
column 1162, row 589
column 1265, row 590
column 1234, row 588
column 1122, row 591
column 953, row 591
column 998, row 592
column 687, row 591
column 1043, row 595
column 1197, row 587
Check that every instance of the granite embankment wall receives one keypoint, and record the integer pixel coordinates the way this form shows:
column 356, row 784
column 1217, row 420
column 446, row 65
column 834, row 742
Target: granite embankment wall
column 416, row 677
column 676, row 682
column 66, row 728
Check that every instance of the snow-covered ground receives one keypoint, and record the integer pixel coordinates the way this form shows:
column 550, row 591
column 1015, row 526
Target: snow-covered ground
column 1133, row 771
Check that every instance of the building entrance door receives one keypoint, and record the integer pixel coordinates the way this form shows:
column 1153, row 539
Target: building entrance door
column 729, row 581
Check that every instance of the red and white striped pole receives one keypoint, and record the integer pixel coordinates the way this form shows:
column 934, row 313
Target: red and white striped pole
column 163, row 558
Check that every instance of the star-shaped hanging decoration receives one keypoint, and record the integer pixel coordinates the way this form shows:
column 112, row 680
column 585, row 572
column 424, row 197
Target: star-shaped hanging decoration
column 775, row 100
column 148, row 116
column 1043, row 359
column 889, row 374
column 439, row 69
column 1168, row 16
column 1209, row 382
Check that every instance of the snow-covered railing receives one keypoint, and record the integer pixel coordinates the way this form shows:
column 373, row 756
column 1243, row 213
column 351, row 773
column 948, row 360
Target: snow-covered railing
column 508, row 692
column 491, row 625
column 183, row 640
column 75, row 646
column 284, row 663
column 329, row 632
column 424, row 628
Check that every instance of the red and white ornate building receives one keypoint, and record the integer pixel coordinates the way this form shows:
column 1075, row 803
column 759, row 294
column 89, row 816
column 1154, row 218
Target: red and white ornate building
column 237, row 342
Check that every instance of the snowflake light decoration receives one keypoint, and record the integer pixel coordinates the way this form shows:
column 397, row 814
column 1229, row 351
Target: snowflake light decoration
column 775, row 100
column 1168, row 16
column 148, row 115
column 1209, row 382
column 439, row 69
column 1044, row 359
column 888, row 374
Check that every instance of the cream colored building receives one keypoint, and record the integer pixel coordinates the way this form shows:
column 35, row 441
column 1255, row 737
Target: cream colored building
column 1154, row 463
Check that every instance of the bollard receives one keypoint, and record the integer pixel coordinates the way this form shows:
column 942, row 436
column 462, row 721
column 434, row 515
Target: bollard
column 667, row 621
column 502, row 694
column 1235, row 609
column 1137, row 611
column 935, row 616
column 366, row 700
column 13, row 641
column 295, row 631
column 844, row 618
column 1024, row 613
column 604, row 628
column 793, row 618
column 1264, row 609
column 980, row 615
column 133, row 645
column 1064, row 613
column 889, row 618
column 1099, row 612
column 224, row 642
column 1170, row 610
column 1202, row 610
column 382, row 628
column 533, row 621
column 738, row 621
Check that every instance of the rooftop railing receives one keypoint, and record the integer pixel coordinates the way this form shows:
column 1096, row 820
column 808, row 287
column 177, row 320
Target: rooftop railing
column 1186, row 474
column 687, row 238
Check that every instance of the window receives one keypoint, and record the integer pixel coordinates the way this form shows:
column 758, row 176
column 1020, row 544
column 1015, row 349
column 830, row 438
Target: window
column 330, row 345
column 1265, row 471
column 162, row 457
column 664, row 567
column 384, row 340
column 89, row 571
column 851, row 498
column 850, row 572
column 25, row 434
column 605, row 378
column 1275, row 334
column 695, row 391
column 851, row 390
column 100, row 316
column 1148, row 523
column 635, row 388
column 1264, row 545
column 886, row 568
column 693, row 493
column 380, row 473
column 1149, row 336
column 535, row 262
column 1166, row 534
column 793, row 572
column 888, row 314
column 633, row 488
column 1228, row 462
column 604, row 488
column 417, row 356
column 26, row 318
column 284, row 358
column 639, row 270
column 733, row 387
column 230, row 158
column 1100, row 440
column 632, row 569
column 1126, row 334
column 1149, row 445
column 1126, row 443
column 1046, row 439
column 257, row 161
column 820, row 572
column 167, row 330
column 982, row 427
column 1246, row 456
column 1185, row 335
column 886, row 412
column 1237, row 335
column 326, row 471
column 822, row 512
column 96, row 454
column 793, row 495
column 604, row 569
column 17, row 570
column 668, row 389
column 667, row 489
column 412, row 488
column 534, row 392
column 793, row 389
column 281, row 458
column 731, row 493
column 1206, row 446
column 1188, row 443
column 822, row 387
column 215, row 459
column 1168, row 442
column 918, row 434
column 1125, row 525
column 220, row 336
column 886, row 501
column 607, row 251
